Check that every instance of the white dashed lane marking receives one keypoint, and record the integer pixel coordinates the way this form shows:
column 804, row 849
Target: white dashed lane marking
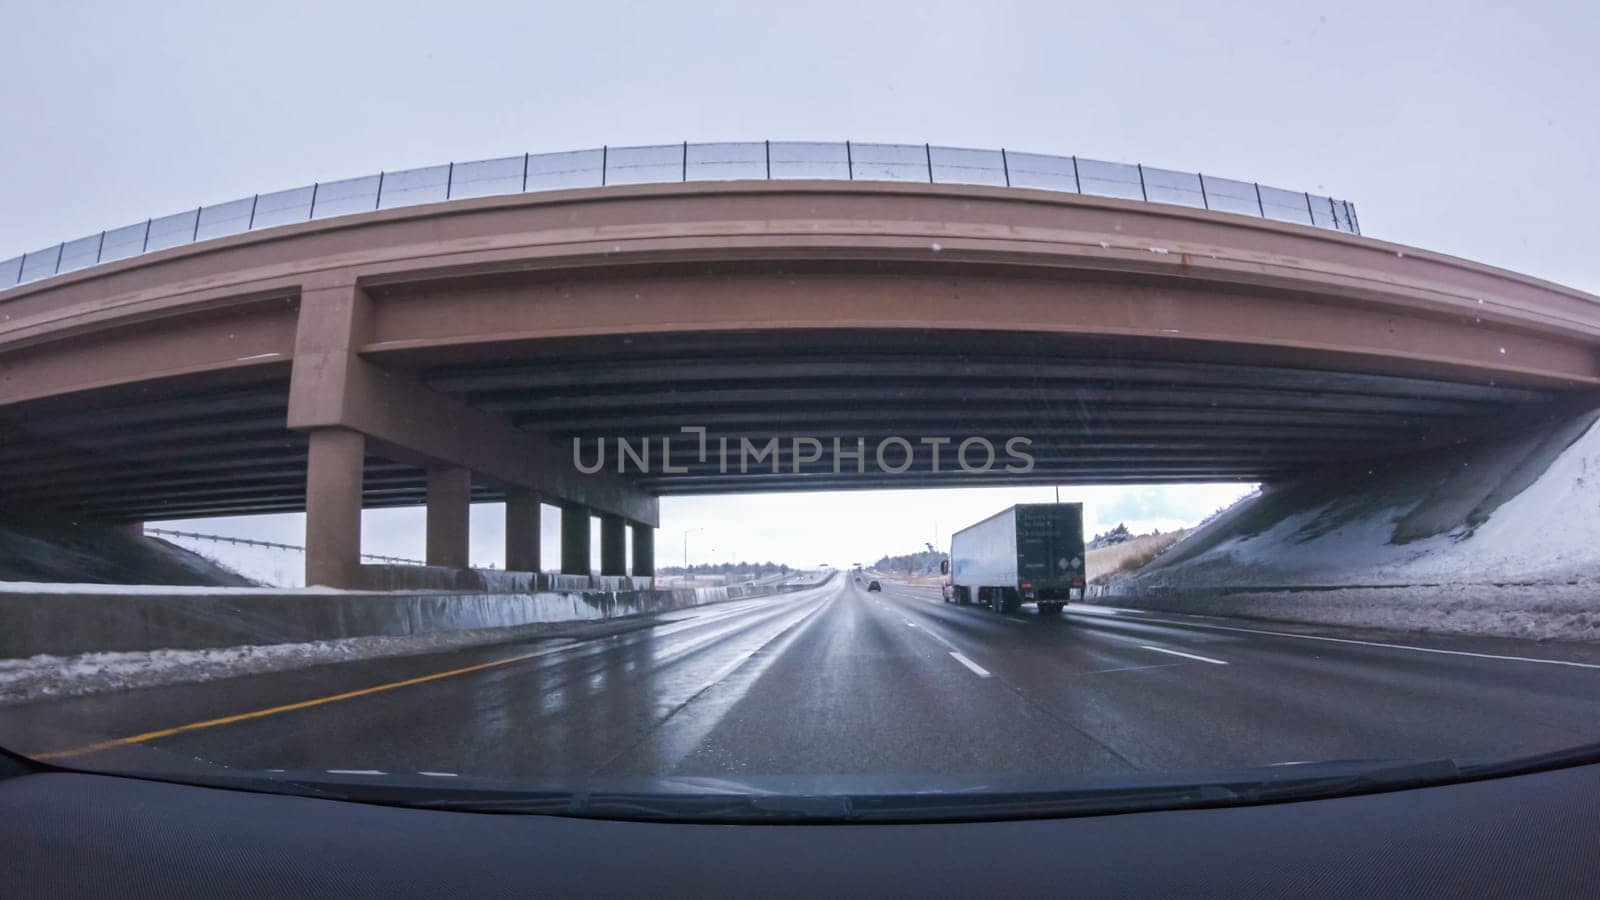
column 1204, row 659
column 978, row 670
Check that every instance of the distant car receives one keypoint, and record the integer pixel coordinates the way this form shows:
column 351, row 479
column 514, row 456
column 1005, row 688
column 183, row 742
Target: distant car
column 874, row 586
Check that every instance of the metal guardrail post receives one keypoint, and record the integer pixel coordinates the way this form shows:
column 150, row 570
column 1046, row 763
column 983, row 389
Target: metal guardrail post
column 253, row 202
column 605, row 154
column 312, row 213
column 1262, row 207
column 849, row 161
column 449, row 180
column 927, row 150
column 1143, row 194
column 377, row 202
column 1005, row 166
column 1205, row 202
column 524, row 174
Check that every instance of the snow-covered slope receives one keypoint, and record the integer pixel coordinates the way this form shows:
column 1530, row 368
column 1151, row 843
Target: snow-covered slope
column 1525, row 508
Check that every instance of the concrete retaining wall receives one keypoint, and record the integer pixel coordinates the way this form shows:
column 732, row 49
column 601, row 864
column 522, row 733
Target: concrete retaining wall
column 66, row 624
column 489, row 581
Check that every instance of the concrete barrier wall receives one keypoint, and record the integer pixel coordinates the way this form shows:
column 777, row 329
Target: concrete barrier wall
column 66, row 624
column 489, row 581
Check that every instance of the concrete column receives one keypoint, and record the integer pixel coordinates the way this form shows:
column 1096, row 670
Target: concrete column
column 644, row 551
column 333, row 507
column 522, row 531
column 574, row 540
column 613, row 546
column 449, row 502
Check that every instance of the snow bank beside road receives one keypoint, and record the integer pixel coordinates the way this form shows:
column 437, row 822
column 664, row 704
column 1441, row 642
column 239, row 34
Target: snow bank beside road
column 160, row 590
column 1540, row 612
column 45, row 676
column 1501, row 537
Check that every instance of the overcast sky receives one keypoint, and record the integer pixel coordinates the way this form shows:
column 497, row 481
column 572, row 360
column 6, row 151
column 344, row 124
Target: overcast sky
column 1462, row 127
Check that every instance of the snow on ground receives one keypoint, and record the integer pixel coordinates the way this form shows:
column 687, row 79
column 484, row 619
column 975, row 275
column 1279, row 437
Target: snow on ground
column 265, row 565
column 165, row 590
column 1548, row 532
column 1552, row 528
column 1497, row 539
column 46, row 676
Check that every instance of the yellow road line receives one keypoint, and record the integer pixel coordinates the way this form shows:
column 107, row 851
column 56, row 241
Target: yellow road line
column 291, row 707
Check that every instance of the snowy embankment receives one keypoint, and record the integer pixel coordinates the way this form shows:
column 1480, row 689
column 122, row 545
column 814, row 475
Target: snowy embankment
column 1499, row 538
column 69, row 640
column 47, row 676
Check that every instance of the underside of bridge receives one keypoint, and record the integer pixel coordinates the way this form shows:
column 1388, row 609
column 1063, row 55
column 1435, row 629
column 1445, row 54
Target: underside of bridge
column 828, row 338
column 1092, row 412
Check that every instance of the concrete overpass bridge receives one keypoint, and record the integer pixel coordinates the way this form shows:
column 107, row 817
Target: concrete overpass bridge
column 482, row 339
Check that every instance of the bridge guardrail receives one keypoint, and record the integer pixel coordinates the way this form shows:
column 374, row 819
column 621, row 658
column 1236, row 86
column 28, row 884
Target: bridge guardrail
column 683, row 162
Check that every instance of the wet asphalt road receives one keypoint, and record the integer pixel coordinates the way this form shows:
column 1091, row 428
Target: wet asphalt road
column 836, row 680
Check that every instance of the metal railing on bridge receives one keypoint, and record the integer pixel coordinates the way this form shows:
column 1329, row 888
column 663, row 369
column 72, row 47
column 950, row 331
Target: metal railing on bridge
column 684, row 162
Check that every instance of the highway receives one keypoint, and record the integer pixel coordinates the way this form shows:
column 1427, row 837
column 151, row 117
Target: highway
column 836, row 680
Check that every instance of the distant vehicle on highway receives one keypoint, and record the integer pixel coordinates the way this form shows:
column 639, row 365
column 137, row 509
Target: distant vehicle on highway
column 874, row 586
column 1031, row 551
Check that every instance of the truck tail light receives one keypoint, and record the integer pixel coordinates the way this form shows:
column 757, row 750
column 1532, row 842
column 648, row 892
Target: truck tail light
column 1026, row 584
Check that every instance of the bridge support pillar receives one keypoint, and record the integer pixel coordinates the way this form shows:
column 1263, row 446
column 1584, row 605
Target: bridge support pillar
column 644, row 551
column 333, row 507
column 574, row 540
column 522, row 530
column 613, row 546
column 449, row 508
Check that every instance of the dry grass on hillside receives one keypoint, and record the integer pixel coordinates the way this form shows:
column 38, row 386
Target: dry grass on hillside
column 1103, row 562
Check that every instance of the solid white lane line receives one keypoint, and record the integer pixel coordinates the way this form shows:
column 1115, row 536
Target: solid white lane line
column 1319, row 637
column 978, row 670
column 439, row 774
column 1215, row 662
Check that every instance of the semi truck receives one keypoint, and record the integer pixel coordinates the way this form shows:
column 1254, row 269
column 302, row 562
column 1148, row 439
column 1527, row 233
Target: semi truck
column 1028, row 552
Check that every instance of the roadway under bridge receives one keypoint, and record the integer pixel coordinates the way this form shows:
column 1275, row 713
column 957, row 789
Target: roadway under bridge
column 494, row 348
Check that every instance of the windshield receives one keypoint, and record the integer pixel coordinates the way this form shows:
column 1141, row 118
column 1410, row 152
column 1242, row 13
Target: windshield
column 879, row 414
